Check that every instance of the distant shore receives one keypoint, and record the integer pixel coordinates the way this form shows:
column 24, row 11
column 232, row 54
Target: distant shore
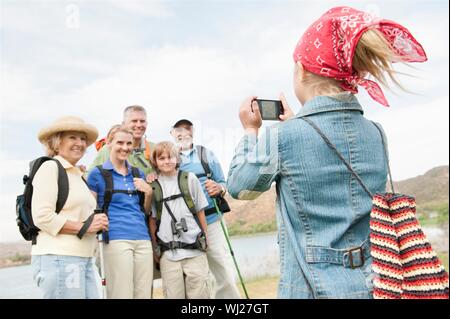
column 15, row 253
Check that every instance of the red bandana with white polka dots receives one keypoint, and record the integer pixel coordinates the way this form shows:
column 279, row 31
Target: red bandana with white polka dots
column 328, row 45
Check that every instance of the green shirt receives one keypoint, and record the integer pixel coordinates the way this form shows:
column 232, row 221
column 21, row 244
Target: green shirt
column 136, row 159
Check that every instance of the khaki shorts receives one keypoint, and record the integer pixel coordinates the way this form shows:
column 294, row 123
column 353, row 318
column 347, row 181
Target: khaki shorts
column 185, row 279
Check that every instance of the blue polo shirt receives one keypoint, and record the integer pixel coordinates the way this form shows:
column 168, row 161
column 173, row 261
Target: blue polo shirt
column 190, row 162
column 126, row 219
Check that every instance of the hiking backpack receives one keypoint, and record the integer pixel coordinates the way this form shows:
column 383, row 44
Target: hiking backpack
column 160, row 200
column 185, row 193
column 110, row 191
column 24, row 217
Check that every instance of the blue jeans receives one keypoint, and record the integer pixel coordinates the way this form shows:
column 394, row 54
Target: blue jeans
column 65, row 277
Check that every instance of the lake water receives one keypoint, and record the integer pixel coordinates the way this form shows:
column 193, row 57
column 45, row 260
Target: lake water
column 256, row 256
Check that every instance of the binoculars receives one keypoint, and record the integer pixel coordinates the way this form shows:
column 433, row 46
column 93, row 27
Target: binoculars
column 177, row 227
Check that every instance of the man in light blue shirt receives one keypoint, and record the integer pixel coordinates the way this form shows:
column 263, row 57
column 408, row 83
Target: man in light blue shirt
column 219, row 258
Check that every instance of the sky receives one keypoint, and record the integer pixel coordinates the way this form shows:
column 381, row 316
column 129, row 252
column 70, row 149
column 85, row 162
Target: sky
column 198, row 60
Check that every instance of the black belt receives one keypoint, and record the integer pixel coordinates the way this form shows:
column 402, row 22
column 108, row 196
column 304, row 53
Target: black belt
column 178, row 245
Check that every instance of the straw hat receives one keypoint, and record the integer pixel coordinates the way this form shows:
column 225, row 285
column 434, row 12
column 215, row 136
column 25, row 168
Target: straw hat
column 69, row 123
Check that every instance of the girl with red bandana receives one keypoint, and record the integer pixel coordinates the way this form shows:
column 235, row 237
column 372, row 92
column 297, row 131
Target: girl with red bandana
column 328, row 159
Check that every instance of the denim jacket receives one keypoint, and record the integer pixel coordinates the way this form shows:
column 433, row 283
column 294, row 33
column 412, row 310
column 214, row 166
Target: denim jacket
column 322, row 211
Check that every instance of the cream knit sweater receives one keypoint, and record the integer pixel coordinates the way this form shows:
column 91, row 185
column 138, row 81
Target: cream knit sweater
column 79, row 206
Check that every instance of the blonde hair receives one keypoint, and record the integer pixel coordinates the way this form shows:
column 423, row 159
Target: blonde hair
column 373, row 55
column 116, row 129
column 162, row 147
column 52, row 143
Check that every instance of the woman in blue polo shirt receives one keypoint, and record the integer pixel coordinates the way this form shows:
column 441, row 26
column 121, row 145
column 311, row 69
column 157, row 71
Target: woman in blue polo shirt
column 128, row 254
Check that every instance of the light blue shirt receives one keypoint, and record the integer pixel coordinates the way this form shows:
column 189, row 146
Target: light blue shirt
column 126, row 219
column 322, row 211
column 190, row 162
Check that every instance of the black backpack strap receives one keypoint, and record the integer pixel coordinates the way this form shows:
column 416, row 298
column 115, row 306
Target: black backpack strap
column 34, row 167
column 201, row 150
column 87, row 223
column 63, row 180
column 178, row 245
column 137, row 174
column 63, row 187
column 109, row 187
column 331, row 145
column 165, row 200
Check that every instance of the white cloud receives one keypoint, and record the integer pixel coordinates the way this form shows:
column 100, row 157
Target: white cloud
column 37, row 17
column 169, row 80
column 153, row 8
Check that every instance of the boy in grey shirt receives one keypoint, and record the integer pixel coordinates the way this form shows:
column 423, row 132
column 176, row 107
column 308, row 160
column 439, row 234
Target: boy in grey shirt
column 177, row 232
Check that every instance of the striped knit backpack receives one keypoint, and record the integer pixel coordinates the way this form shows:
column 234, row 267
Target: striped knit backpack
column 404, row 263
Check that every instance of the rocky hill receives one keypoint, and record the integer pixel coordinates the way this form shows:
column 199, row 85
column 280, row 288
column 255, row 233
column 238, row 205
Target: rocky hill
column 252, row 216
column 431, row 187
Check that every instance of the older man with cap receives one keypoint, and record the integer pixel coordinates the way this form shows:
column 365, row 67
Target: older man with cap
column 62, row 256
column 213, row 184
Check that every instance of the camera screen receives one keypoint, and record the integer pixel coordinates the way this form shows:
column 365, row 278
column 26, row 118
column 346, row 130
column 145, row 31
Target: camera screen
column 269, row 109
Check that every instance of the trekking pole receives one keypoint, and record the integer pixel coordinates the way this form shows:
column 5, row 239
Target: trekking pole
column 102, row 265
column 230, row 248
column 102, row 261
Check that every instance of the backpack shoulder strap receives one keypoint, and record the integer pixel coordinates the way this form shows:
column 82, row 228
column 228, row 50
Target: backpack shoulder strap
column 63, row 179
column 183, row 183
column 34, row 167
column 158, row 198
column 201, row 150
column 137, row 174
column 109, row 186
column 63, row 187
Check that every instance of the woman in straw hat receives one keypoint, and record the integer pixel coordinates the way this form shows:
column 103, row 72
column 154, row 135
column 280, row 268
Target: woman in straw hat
column 62, row 258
